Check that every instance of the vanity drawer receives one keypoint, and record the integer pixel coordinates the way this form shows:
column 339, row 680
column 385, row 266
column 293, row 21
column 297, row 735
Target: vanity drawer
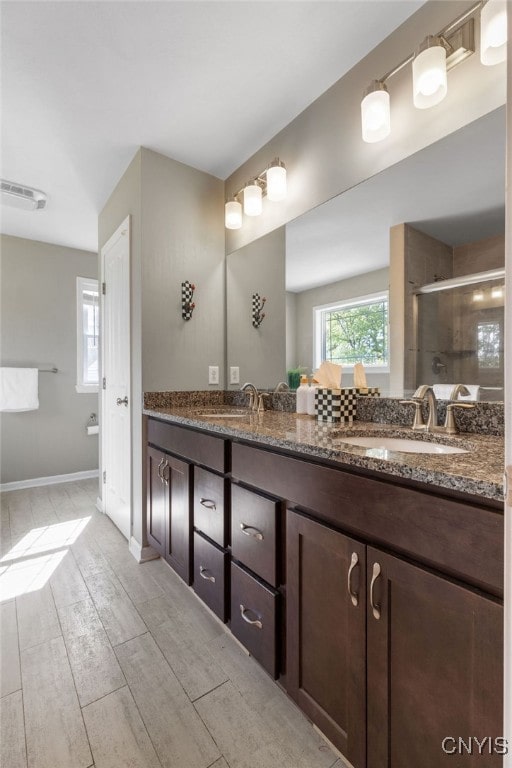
column 210, row 509
column 254, row 532
column 254, row 617
column 210, row 575
column 196, row 446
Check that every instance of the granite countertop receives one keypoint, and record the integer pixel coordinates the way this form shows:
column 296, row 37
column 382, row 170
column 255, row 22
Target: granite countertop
column 479, row 472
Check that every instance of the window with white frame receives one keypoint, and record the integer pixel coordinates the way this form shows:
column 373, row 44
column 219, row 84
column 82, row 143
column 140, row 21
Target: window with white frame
column 353, row 331
column 87, row 328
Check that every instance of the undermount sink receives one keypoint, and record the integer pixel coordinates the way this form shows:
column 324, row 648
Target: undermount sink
column 402, row 444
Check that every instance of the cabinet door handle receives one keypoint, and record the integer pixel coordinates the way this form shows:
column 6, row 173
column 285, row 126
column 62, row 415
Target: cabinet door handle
column 375, row 606
column 208, row 503
column 255, row 622
column 249, row 530
column 165, row 477
column 354, row 560
column 162, row 462
column 203, row 572
column 122, row 401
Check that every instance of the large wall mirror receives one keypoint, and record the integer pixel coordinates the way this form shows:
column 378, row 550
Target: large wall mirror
column 438, row 215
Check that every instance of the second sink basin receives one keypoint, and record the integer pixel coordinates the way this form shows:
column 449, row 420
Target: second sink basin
column 402, row 444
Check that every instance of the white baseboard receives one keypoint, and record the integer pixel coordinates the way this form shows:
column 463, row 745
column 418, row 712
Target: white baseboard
column 140, row 553
column 18, row 485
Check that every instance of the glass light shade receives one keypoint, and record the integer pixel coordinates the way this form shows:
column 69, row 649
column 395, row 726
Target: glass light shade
column 375, row 116
column 276, row 182
column 252, row 200
column 429, row 83
column 233, row 215
column 478, row 296
column 493, row 32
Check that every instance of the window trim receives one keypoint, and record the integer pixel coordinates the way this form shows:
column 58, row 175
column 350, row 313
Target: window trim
column 83, row 283
column 344, row 304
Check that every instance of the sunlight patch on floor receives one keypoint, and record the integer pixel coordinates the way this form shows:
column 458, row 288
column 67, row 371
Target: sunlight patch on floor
column 34, row 559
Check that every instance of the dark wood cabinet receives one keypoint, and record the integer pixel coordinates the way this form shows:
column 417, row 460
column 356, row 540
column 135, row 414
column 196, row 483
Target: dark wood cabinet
column 169, row 510
column 434, row 667
column 157, row 505
column 386, row 657
column 326, row 631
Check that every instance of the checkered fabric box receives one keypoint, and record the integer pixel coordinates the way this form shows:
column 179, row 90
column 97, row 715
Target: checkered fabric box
column 368, row 391
column 335, row 405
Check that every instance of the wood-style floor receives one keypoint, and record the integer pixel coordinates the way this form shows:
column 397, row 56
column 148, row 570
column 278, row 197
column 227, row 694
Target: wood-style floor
column 112, row 664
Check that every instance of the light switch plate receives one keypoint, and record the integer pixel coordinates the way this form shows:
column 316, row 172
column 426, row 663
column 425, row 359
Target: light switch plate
column 213, row 374
column 234, row 374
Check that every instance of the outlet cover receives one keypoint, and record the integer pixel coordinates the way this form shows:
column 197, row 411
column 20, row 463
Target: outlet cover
column 234, row 374
column 213, row 374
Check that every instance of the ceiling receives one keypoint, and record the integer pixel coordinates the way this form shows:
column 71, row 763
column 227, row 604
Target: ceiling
column 454, row 190
column 85, row 83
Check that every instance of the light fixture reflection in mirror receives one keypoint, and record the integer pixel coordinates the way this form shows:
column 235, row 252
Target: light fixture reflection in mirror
column 493, row 32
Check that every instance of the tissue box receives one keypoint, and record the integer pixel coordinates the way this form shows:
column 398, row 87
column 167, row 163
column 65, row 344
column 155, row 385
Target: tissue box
column 368, row 391
column 335, row 405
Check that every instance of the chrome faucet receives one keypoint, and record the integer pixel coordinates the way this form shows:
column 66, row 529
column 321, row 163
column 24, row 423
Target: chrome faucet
column 282, row 387
column 253, row 395
column 425, row 390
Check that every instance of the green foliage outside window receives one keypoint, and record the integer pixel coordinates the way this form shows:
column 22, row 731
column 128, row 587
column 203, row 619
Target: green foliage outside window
column 356, row 334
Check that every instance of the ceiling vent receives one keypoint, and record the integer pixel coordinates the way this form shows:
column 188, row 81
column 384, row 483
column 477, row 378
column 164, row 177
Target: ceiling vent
column 20, row 196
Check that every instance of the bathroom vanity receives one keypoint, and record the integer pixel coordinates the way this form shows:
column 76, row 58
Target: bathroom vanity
column 370, row 589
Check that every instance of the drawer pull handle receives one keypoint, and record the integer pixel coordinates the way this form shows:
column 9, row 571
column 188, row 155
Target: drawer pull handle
column 165, row 477
column 208, row 503
column 203, row 572
column 162, row 462
column 249, row 530
column 255, row 622
column 375, row 606
column 353, row 595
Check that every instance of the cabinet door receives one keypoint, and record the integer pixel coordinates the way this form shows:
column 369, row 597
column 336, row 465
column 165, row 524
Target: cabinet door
column 157, row 496
column 434, row 668
column 178, row 477
column 326, row 625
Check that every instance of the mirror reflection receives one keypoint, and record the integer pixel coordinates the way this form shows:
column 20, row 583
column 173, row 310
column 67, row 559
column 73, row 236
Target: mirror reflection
column 437, row 215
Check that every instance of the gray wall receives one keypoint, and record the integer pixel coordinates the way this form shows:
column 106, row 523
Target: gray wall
column 371, row 282
column 38, row 318
column 182, row 239
column 260, row 352
column 323, row 149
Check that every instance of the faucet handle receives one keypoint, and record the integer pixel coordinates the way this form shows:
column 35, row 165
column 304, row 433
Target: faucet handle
column 450, row 426
column 261, row 400
column 418, row 422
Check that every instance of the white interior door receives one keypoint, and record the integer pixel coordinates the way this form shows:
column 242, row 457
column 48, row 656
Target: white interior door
column 116, row 409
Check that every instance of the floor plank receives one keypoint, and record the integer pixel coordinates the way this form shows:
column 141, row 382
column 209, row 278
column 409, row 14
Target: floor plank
column 185, row 648
column 13, row 752
column 67, row 583
column 55, row 730
column 37, row 617
column 178, row 734
column 117, row 734
column 10, row 673
column 138, row 581
column 93, row 662
column 116, row 611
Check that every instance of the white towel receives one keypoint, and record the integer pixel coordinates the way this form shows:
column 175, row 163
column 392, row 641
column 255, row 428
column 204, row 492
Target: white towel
column 19, row 389
column 444, row 392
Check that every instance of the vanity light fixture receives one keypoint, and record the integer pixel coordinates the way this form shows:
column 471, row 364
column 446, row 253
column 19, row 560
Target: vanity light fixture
column 429, row 83
column 270, row 183
column 493, row 32
column 478, row 295
column 497, row 292
column 375, row 112
column 435, row 56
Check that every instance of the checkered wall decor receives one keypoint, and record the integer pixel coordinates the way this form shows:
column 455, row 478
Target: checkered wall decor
column 335, row 405
column 257, row 305
column 187, row 294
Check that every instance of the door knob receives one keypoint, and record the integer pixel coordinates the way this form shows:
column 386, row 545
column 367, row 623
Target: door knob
column 120, row 401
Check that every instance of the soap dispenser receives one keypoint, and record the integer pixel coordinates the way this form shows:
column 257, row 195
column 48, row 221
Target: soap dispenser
column 302, row 396
column 311, row 406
